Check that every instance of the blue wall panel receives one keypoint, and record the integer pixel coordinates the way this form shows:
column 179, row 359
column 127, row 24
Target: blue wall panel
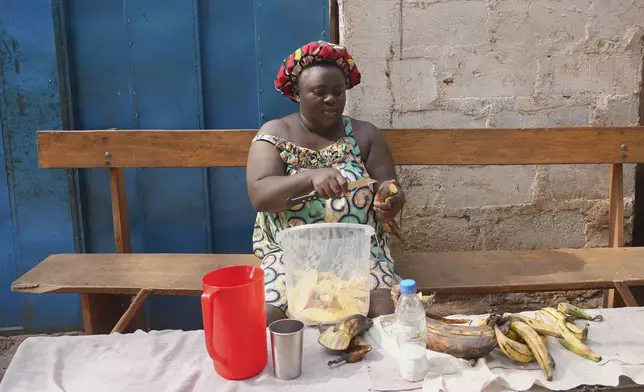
column 38, row 200
column 137, row 64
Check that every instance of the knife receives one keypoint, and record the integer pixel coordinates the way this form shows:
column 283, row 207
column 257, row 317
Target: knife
column 315, row 195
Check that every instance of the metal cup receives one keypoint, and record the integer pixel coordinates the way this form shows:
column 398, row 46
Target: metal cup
column 286, row 348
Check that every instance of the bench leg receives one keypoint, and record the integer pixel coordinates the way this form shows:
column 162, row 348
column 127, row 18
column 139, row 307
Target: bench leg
column 101, row 312
column 132, row 311
column 624, row 295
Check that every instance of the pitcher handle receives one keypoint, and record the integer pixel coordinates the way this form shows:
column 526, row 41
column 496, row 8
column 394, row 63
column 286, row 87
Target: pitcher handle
column 206, row 309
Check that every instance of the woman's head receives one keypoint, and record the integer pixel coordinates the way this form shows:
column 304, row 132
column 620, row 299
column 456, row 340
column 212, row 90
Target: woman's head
column 317, row 76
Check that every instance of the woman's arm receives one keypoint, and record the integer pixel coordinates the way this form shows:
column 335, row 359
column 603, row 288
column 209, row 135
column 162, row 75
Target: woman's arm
column 268, row 185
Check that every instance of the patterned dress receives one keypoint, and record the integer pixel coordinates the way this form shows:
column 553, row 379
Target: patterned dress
column 343, row 155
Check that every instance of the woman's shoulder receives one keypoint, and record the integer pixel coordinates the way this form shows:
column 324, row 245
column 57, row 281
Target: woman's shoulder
column 365, row 131
column 279, row 127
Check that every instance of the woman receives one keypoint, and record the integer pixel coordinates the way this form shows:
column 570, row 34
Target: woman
column 319, row 149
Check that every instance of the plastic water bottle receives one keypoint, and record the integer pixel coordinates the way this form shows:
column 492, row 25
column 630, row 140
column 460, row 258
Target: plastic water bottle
column 412, row 332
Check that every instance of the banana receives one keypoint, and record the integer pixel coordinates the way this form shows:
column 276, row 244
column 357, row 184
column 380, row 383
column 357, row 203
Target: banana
column 339, row 336
column 536, row 345
column 461, row 341
column 513, row 349
column 575, row 345
column 540, row 327
column 576, row 312
column 555, row 316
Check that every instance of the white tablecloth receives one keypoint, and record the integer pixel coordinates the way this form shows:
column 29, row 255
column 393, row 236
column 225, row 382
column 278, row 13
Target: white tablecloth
column 177, row 361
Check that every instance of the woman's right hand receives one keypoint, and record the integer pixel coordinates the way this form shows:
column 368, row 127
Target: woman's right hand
column 329, row 182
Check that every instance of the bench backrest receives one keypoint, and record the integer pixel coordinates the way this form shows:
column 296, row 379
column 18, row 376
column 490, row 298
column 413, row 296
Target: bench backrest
column 118, row 149
column 229, row 148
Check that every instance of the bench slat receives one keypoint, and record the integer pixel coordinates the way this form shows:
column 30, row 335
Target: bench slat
column 229, row 148
column 443, row 272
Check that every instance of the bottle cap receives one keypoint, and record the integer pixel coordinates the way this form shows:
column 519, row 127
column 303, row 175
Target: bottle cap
column 407, row 286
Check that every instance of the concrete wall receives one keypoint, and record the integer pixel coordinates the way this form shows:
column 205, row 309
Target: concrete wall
column 499, row 63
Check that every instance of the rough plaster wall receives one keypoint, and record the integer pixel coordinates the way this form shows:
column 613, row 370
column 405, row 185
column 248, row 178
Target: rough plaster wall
column 500, row 63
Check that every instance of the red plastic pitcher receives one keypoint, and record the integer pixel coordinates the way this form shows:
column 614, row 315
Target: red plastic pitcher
column 234, row 320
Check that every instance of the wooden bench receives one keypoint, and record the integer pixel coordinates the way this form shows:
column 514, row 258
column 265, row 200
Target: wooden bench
column 107, row 282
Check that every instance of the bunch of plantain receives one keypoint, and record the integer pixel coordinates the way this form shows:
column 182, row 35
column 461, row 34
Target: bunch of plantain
column 427, row 300
column 462, row 341
column 338, row 337
column 387, row 189
column 357, row 350
column 572, row 336
column 555, row 315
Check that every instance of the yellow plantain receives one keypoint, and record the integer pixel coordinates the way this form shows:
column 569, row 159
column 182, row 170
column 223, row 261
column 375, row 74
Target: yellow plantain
column 461, row 341
column 576, row 312
column 536, row 345
column 540, row 327
column 513, row 349
column 339, row 336
column 555, row 316
column 575, row 345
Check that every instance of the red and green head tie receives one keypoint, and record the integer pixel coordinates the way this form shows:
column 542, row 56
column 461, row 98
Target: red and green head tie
column 317, row 52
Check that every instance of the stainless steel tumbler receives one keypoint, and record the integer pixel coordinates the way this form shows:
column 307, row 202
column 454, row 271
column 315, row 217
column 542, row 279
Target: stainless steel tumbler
column 286, row 348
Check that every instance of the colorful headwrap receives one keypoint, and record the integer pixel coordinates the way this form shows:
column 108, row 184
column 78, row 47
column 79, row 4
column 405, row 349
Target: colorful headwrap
column 314, row 53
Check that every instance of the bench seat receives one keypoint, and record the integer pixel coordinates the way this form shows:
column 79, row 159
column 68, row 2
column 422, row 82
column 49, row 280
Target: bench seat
column 441, row 272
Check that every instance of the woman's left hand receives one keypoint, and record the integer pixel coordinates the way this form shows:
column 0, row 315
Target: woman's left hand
column 388, row 209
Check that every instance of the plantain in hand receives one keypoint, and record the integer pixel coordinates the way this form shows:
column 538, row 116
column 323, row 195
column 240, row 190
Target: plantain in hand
column 461, row 341
column 338, row 337
column 387, row 189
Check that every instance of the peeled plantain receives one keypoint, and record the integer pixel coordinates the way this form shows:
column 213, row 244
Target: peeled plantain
column 461, row 341
column 387, row 189
column 338, row 337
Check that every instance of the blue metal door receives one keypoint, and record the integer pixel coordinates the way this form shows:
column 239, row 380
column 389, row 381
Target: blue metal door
column 167, row 64
column 35, row 217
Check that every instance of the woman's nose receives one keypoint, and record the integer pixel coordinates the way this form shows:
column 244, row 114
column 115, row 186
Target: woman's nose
column 329, row 100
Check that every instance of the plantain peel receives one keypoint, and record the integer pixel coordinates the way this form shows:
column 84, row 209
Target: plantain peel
column 462, row 341
column 338, row 337
column 357, row 350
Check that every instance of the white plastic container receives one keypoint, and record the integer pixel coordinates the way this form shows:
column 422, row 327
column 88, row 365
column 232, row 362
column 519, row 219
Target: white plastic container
column 327, row 271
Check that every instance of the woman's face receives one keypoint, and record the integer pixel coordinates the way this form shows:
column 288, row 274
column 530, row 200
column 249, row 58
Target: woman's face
column 322, row 94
